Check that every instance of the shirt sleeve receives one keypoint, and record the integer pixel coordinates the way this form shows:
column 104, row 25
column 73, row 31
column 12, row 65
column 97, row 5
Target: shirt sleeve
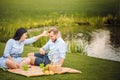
column 8, row 48
column 46, row 46
column 62, row 50
column 30, row 40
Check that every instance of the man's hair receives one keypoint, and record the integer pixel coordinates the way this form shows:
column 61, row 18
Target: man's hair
column 54, row 30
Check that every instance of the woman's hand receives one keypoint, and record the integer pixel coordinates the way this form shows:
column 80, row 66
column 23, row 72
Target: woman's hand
column 11, row 63
column 17, row 64
column 45, row 33
column 41, row 35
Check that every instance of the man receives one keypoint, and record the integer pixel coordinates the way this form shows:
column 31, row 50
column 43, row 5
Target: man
column 57, row 50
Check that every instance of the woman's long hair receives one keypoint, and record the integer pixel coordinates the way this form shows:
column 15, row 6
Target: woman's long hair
column 19, row 33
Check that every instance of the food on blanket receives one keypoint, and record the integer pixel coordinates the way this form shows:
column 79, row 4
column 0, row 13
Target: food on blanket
column 51, row 68
column 46, row 68
column 56, row 68
column 36, row 71
column 46, row 72
column 25, row 67
column 41, row 65
column 51, row 72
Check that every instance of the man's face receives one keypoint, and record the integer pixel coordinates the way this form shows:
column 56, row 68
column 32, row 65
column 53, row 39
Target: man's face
column 53, row 36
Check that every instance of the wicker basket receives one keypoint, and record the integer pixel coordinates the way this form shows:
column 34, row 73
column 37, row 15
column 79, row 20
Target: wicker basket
column 56, row 68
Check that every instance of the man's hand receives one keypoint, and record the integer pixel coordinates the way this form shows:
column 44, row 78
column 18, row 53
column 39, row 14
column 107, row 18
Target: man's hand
column 42, row 51
column 61, row 61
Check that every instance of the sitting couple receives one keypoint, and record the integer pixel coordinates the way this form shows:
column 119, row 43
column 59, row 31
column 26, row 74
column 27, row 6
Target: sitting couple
column 12, row 57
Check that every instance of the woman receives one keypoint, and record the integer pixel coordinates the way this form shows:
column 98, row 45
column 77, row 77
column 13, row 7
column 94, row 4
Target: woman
column 14, row 47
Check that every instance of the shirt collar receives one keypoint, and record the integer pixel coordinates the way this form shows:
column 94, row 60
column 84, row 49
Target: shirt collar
column 57, row 40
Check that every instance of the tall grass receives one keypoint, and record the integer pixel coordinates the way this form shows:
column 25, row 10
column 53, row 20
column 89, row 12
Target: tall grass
column 77, row 47
column 68, row 25
column 61, row 21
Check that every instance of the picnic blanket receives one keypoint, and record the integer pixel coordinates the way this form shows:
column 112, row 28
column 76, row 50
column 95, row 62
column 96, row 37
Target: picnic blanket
column 37, row 71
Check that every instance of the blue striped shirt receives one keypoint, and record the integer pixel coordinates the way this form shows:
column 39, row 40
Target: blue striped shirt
column 15, row 50
column 57, row 50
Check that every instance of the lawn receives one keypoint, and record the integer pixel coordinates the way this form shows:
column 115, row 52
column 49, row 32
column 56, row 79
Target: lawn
column 92, row 68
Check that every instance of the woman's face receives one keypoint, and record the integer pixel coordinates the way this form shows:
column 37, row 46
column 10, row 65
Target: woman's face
column 24, row 36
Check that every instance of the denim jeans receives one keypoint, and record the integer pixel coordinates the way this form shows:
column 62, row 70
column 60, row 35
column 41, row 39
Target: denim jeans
column 41, row 59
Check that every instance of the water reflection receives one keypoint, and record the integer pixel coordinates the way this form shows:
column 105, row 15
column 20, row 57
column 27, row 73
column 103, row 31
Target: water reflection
column 100, row 46
column 114, row 35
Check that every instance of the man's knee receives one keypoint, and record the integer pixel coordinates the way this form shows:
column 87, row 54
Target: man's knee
column 27, row 59
column 32, row 59
column 30, row 54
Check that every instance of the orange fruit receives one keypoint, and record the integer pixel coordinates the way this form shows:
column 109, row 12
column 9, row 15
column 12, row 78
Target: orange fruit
column 51, row 72
column 46, row 72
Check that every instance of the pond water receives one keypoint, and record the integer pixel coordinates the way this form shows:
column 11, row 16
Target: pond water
column 102, row 43
column 101, row 46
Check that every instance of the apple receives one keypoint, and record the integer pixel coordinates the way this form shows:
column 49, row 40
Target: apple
column 42, row 65
column 25, row 67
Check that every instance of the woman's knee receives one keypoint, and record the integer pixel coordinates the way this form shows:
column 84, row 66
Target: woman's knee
column 10, row 64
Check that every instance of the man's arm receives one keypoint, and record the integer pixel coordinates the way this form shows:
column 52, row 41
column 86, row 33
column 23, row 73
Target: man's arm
column 61, row 61
column 44, row 48
column 42, row 51
column 62, row 50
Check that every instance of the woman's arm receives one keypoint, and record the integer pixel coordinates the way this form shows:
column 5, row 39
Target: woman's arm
column 35, row 38
column 10, row 58
column 8, row 48
column 41, row 35
column 12, row 62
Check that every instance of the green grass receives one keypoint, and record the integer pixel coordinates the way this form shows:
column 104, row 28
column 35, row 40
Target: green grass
column 92, row 68
column 19, row 12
